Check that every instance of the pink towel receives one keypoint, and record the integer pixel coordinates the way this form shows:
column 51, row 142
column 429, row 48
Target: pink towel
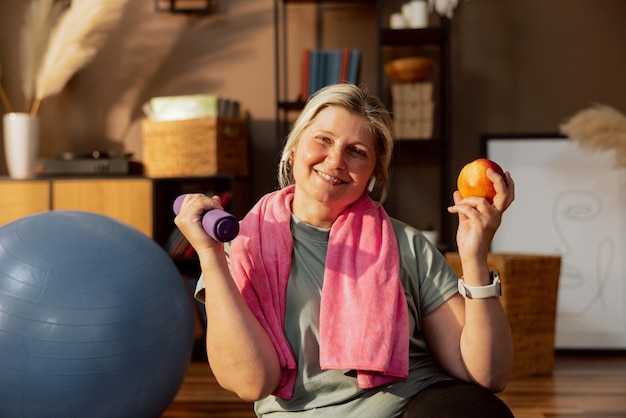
column 363, row 314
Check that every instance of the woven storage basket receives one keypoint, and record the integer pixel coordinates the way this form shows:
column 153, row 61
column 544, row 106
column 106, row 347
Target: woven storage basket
column 529, row 297
column 195, row 147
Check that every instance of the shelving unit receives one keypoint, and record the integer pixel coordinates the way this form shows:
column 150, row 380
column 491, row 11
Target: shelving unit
column 434, row 152
column 288, row 102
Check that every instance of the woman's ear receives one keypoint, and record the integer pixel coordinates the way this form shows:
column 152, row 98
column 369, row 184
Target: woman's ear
column 285, row 156
column 371, row 184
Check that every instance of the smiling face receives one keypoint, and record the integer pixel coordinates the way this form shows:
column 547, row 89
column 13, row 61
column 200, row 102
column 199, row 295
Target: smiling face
column 333, row 163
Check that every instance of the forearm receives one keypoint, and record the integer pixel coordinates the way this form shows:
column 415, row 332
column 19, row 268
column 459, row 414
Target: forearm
column 486, row 343
column 241, row 355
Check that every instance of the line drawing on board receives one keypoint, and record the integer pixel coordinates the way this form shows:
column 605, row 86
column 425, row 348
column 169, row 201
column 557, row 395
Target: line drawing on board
column 577, row 207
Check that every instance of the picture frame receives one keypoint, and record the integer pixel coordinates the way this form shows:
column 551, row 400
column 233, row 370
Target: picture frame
column 569, row 202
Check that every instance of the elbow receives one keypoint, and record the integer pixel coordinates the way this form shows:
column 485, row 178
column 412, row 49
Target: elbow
column 252, row 394
column 496, row 381
column 497, row 386
column 250, row 390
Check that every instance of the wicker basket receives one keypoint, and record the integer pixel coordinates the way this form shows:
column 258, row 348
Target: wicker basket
column 195, row 147
column 529, row 297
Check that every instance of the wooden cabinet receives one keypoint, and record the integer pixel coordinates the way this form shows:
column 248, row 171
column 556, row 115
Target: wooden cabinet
column 19, row 198
column 127, row 200
column 124, row 199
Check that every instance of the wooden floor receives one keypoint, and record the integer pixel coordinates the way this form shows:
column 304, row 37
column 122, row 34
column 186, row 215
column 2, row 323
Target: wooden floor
column 588, row 385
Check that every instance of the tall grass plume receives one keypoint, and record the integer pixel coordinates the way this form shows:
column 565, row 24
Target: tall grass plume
column 598, row 128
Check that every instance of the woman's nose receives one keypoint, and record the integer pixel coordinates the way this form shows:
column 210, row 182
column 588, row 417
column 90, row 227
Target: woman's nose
column 335, row 157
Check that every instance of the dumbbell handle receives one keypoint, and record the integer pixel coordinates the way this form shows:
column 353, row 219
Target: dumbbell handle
column 219, row 224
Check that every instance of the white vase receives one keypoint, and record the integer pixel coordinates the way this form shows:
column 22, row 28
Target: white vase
column 21, row 144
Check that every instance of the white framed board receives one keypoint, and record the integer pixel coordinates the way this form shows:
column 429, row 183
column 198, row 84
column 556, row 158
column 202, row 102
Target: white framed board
column 570, row 202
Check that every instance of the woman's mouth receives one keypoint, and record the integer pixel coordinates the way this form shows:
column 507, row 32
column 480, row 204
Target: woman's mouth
column 329, row 178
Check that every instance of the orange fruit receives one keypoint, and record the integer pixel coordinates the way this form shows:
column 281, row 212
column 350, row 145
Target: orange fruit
column 473, row 180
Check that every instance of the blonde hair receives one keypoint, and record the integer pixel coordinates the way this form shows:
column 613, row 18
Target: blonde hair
column 358, row 101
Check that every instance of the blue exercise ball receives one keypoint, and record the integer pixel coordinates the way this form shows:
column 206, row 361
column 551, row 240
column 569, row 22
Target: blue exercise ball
column 95, row 319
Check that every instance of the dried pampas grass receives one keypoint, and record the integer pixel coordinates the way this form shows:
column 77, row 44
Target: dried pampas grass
column 599, row 128
column 73, row 43
column 40, row 18
column 3, row 96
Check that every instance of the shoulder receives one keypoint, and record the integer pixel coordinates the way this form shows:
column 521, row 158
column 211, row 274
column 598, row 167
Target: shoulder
column 426, row 275
column 409, row 237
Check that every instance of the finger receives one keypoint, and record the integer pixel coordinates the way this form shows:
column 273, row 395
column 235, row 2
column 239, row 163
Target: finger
column 499, row 182
column 465, row 211
column 456, row 197
column 218, row 200
column 510, row 185
column 505, row 192
column 198, row 202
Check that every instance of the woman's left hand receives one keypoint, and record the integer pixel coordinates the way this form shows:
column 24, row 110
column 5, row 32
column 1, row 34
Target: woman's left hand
column 478, row 219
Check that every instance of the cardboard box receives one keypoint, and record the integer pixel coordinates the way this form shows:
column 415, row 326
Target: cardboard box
column 413, row 129
column 412, row 92
column 419, row 111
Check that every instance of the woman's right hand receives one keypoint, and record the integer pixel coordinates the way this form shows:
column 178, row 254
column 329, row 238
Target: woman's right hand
column 189, row 221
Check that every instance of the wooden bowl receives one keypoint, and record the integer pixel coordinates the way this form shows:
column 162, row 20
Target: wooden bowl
column 410, row 69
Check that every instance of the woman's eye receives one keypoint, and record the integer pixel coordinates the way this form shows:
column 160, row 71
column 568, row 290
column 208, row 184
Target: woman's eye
column 359, row 152
column 323, row 139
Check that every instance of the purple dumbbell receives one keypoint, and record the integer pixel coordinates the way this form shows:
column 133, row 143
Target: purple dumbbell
column 220, row 225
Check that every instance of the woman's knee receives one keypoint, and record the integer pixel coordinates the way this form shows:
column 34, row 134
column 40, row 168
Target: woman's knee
column 456, row 399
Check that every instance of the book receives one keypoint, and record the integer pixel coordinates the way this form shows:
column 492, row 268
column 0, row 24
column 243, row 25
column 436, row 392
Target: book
column 321, row 76
column 321, row 68
column 333, row 66
column 314, row 71
column 345, row 61
column 306, row 62
column 354, row 66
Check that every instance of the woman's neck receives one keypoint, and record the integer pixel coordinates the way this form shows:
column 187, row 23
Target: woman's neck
column 316, row 214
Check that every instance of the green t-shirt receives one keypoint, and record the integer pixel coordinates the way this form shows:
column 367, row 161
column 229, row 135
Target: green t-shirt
column 427, row 279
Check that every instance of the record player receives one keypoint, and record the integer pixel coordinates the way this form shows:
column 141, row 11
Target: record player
column 97, row 163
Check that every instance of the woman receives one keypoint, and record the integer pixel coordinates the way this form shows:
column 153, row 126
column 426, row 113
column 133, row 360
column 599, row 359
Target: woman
column 325, row 306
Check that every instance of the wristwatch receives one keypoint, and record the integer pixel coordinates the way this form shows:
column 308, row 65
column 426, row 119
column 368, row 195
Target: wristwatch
column 482, row 292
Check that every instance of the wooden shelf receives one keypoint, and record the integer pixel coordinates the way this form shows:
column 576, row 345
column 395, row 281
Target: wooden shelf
column 291, row 106
column 414, row 37
column 364, row 2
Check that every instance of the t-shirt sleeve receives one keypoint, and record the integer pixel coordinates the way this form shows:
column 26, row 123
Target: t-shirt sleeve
column 426, row 274
column 199, row 292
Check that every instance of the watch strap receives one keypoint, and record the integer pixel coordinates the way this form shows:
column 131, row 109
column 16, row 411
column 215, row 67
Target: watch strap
column 481, row 292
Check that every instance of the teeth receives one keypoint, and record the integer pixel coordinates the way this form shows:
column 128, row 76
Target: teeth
column 329, row 178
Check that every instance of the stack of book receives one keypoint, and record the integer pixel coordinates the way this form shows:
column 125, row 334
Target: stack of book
column 321, row 68
column 413, row 110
